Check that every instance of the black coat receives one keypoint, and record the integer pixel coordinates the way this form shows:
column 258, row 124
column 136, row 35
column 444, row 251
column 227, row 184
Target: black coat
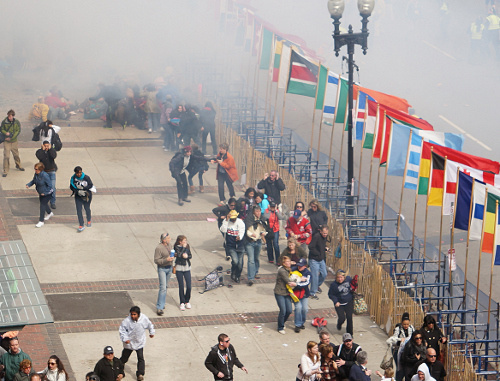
column 207, row 118
column 215, row 364
column 197, row 162
column 176, row 164
column 108, row 372
column 272, row 189
column 189, row 125
column 317, row 248
column 317, row 218
column 47, row 158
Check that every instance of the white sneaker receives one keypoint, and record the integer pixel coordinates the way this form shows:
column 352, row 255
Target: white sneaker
column 47, row 217
column 183, row 307
column 150, row 130
column 188, row 306
column 39, row 224
column 282, row 332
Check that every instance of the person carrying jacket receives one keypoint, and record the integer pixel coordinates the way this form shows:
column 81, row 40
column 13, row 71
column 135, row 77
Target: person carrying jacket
column 222, row 358
column 178, row 165
column 82, row 188
column 10, row 128
column 272, row 185
column 273, row 216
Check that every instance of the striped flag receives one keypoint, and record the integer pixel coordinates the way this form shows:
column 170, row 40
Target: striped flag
column 490, row 224
column 370, row 124
column 341, row 114
column 320, row 93
column 267, row 45
column 284, row 66
column 359, row 120
column 303, row 76
column 277, row 58
column 478, row 208
column 413, row 165
column 332, row 89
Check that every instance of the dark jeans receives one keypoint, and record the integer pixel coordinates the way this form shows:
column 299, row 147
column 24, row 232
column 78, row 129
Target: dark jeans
column 141, row 364
column 79, row 203
column 184, row 296
column 186, row 138
column 44, row 206
column 200, row 177
column 169, row 137
column 237, row 258
column 285, row 306
column 345, row 313
column 204, row 135
column 273, row 248
column 182, row 186
column 221, row 179
column 111, row 110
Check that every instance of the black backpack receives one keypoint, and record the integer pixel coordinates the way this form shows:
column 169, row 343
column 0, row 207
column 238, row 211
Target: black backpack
column 56, row 141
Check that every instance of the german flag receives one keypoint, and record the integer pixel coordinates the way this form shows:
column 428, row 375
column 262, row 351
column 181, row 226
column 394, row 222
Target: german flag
column 490, row 223
column 437, row 180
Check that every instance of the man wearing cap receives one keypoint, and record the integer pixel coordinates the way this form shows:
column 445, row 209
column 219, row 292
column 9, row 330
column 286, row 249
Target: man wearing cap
column 273, row 217
column 177, row 166
column 341, row 295
column 233, row 229
column 346, row 352
column 301, row 291
column 317, row 260
column 164, row 261
column 299, row 227
column 272, row 185
column 109, row 368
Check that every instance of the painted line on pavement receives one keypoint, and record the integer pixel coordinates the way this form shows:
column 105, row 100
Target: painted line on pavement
column 439, row 50
column 466, row 133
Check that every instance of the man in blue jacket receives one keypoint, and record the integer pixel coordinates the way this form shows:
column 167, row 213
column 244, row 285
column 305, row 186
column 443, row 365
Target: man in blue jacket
column 341, row 295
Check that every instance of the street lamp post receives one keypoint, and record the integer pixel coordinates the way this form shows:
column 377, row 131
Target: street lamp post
column 351, row 39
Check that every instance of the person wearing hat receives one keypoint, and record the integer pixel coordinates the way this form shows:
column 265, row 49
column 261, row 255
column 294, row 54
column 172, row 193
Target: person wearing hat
column 273, row 217
column 341, row 295
column 233, row 229
column 299, row 227
column 301, row 291
column 177, row 166
column 109, row 368
column 346, row 352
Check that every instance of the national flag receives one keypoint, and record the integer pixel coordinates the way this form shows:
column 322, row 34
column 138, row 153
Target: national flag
column 464, row 195
column 332, row 89
column 451, row 181
column 380, row 135
column 340, row 112
column 436, row 190
column 320, row 93
column 267, row 44
column 370, row 124
column 453, row 155
column 400, row 138
column 386, row 99
column 413, row 165
column 303, row 76
column 359, row 114
column 478, row 208
column 277, row 58
column 405, row 118
column 490, row 223
column 284, row 66
column 249, row 30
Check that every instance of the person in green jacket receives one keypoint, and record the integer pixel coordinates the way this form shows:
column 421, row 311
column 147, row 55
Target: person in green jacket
column 12, row 359
column 10, row 128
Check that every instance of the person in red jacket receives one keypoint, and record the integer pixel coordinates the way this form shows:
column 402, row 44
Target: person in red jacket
column 299, row 227
column 226, row 172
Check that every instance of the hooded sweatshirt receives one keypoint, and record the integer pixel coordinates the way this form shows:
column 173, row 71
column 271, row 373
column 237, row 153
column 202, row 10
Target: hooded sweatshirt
column 425, row 369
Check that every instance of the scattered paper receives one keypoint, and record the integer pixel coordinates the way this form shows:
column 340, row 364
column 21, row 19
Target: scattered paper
column 285, row 345
column 210, row 219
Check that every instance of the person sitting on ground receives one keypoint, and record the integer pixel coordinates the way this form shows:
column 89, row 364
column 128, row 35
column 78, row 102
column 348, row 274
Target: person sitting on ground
column 298, row 227
column 25, row 371
column 346, row 352
column 317, row 216
column 294, row 251
column 57, row 106
column 272, row 185
column 359, row 371
column 39, row 112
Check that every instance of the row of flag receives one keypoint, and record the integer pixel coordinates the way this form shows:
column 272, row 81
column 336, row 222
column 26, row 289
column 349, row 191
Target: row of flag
column 432, row 163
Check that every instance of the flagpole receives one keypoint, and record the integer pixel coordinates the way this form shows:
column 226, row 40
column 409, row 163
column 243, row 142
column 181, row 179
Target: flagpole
column 403, row 184
column 371, row 165
column 320, row 127
column 360, row 163
column 283, row 112
column 441, row 224
column 341, row 149
column 492, row 259
column 275, row 106
column 378, row 186
column 383, row 208
column 267, row 95
column 452, row 235
column 331, row 146
column 481, row 248
column 468, row 240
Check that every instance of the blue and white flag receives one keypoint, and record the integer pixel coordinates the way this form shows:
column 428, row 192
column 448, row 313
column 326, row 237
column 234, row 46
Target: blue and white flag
column 413, row 165
column 331, row 95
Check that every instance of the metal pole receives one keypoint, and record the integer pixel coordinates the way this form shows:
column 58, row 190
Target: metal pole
column 350, row 148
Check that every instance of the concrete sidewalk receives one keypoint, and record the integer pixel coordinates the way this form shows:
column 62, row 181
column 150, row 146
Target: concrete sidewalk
column 135, row 202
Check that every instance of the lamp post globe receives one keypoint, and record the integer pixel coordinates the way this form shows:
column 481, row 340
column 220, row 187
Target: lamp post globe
column 336, row 8
column 365, row 7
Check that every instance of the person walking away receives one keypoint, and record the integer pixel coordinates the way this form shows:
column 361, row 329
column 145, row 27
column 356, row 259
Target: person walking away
column 233, row 230
column 183, row 270
column 282, row 294
column 164, row 260
column 341, row 295
column 133, row 335
column 55, row 370
column 317, row 260
column 178, row 165
column 310, row 363
column 226, row 172
column 222, row 358
column 43, row 186
column 109, row 367
column 207, row 119
column 273, row 217
column 301, row 291
column 255, row 235
column 82, row 188
column 168, row 133
column 272, row 185
column 198, row 165
column 10, row 128
column 47, row 155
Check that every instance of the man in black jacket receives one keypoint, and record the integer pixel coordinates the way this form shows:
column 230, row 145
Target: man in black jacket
column 109, row 368
column 222, row 358
column 347, row 355
column 47, row 155
column 317, row 255
column 272, row 186
column 177, row 166
column 111, row 95
column 436, row 367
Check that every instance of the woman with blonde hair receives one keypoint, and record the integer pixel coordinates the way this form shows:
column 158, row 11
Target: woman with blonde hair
column 294, row 251
column 309, row 368
column 317, row 216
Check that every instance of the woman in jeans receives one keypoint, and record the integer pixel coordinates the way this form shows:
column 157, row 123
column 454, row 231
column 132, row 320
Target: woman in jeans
column 44, row 188
column 183, row 270
column 282, row 294
column 82, row 188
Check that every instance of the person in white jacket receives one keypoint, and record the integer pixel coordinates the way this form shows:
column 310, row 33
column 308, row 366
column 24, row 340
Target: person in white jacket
column 133, row 335
column 233, row 229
